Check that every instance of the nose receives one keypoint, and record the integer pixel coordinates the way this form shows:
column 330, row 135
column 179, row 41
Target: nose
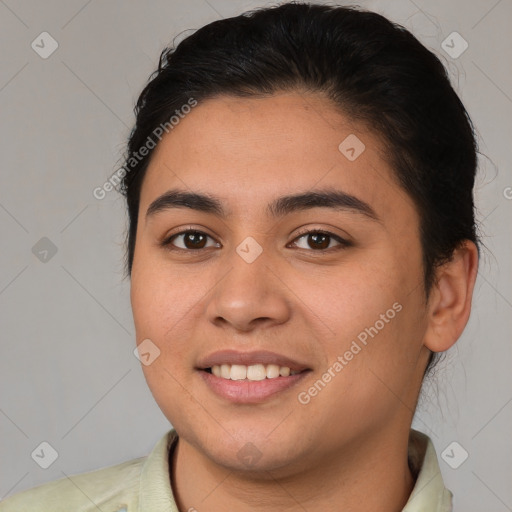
column 250, row 295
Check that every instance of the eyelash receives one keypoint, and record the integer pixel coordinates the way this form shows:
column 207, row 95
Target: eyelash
column 343, row 244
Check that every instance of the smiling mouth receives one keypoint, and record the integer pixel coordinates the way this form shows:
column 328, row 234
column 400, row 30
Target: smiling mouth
column 254, row 372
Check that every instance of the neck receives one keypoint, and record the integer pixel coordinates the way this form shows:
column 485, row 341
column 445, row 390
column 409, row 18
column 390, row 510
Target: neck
column 373, row 474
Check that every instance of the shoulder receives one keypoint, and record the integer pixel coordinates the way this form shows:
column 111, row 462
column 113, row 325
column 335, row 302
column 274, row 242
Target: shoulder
column 108, row 489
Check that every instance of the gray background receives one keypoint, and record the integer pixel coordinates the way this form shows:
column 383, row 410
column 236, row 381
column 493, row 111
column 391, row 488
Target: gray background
column 68, row 375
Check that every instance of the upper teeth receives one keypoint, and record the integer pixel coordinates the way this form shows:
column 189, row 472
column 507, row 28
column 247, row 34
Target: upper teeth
column 252, row 372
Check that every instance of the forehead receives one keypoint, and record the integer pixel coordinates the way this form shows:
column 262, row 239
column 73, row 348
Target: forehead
column 250, row 150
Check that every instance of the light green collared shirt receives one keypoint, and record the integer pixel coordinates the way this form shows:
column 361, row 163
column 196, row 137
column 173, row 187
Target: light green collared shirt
column 143, row 485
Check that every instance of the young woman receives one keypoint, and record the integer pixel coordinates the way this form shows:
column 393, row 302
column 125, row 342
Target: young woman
column 301, row 246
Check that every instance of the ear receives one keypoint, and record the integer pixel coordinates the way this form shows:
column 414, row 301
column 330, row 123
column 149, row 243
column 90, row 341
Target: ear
column 450, row 298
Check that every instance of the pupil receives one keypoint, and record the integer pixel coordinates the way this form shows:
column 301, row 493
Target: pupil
column 195, row 239
column 316, row 237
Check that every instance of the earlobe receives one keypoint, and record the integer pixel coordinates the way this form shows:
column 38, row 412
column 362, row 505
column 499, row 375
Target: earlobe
column 450, row 300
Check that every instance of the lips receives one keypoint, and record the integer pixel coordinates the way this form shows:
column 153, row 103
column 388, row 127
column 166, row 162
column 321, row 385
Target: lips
column 262, row 357
column 254, row 372
column 260, row 382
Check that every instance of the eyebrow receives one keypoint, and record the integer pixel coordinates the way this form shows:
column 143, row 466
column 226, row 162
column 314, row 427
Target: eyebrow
column 325, row 198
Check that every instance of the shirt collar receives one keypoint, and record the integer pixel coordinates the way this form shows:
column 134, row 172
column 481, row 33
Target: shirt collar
column 155, row 492
column 429, row 492
column 428, row 495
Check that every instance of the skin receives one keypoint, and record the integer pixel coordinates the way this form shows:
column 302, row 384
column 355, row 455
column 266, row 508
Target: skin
column 351, row 438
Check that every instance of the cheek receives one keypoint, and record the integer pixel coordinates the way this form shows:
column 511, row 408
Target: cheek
column 373, row 322
column 159, row 297
column 166, row 305
column 351, row 298
column 160, row 311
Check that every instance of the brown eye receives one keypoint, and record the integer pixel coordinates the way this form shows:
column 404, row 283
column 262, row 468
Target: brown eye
column 320, row 241
column 188, row 240
column 194, row 240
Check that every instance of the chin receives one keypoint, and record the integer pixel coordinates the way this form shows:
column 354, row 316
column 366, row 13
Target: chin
column 254, row 459
column 242, row 447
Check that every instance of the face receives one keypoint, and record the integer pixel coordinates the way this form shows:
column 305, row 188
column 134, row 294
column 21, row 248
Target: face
column 326, row 288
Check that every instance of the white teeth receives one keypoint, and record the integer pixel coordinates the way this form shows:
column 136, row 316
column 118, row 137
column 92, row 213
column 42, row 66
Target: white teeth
column 253, row 372
column 256, row 372
column 272, row 371
column 284, row 371
column 238, row 372
column 225, row 371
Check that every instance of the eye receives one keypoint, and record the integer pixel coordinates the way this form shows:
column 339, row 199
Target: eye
column 321, row 240
column 191, row 239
